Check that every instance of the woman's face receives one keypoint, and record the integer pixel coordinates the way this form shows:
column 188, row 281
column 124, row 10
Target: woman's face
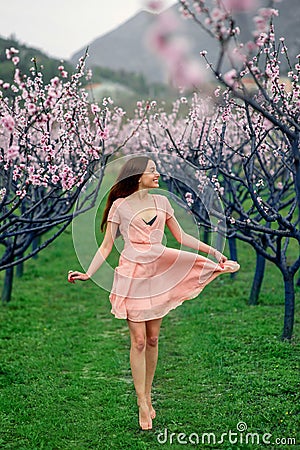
column 150, row 177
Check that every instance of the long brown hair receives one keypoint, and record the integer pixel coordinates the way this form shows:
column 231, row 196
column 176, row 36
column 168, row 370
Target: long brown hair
column 127, row 183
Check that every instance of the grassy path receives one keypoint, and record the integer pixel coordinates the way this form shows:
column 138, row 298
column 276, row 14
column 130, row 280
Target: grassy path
column 65, row 374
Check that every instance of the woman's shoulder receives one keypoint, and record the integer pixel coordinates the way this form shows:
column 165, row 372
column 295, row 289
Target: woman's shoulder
column 161, row 198
column 118, row 201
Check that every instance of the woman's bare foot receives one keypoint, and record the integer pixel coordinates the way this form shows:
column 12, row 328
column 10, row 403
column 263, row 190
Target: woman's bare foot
column 145, row 419
column 151, row 409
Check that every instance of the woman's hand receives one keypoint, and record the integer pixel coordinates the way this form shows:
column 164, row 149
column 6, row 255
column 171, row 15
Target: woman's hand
column 72, row 276
column 220, row 258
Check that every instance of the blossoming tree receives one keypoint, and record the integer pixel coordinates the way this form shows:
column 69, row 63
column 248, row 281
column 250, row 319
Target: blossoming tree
column 247, row 144
column 52, row 141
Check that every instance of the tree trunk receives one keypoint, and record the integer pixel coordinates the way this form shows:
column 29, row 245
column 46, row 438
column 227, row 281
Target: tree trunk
column 8, row 282
column 232, row 252
column 20, row 269
column 35, row 244
column 289, row 306
column 298, row 281
column 258, row 279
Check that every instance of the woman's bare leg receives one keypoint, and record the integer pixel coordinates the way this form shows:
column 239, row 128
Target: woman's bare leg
column 152, row 334
column 138, row 370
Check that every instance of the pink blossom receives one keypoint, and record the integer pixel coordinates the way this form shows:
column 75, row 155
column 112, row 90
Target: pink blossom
column 104, row 134
column 15, row 60
column 8, row 122
column 17, row 77
column 120, row 111
column 237, row 55
column 198, row 8
column 251, row 46
column 261, row 26
column 268, row 12
column 262, row 39
column 2, row 194
column 94, row 151
column 154, row 5
column 10, row 52
column 13, row 152
column 267, row 124
column 31, row 107
column 188, row 74
column 173, row 50
column 21, row 193
column 189, row 198
column 239, row 5
column 107, row 101
column 230, row 77
column 217, row 91
column 63, row 72
column 217, row 14
column 25, row 94
column 95, row 108
column 55, row 179
column 55, row 81
column 160, row 39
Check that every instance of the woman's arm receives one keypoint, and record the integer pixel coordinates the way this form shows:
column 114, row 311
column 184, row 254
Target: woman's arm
column 100, row 256
column 190, row 241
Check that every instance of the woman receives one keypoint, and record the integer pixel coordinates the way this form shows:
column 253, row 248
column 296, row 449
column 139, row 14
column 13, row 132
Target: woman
column 151, row 279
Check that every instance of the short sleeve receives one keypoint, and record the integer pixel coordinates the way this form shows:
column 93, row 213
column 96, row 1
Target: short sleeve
column 169, row 209
column 113, row 214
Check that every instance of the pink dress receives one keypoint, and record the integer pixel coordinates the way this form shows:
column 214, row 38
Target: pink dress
column 152, row 279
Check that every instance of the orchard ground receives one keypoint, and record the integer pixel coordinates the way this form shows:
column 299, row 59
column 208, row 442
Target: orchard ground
column 65, row 373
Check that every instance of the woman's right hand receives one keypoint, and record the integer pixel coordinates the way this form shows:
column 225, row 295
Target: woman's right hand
column 74, row 275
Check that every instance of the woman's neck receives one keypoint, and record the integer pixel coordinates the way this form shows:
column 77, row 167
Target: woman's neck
column 141, row 194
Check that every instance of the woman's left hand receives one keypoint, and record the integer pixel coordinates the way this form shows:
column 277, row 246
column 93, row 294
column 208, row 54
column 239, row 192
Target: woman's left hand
column 220, row 258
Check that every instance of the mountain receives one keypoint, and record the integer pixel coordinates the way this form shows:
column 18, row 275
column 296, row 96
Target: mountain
column 124, row 47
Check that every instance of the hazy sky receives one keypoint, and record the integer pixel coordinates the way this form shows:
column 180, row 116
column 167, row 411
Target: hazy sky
column 61, row 27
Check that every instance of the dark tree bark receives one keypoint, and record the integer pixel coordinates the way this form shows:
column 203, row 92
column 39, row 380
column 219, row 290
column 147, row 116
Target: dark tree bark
column 35, row 244
column 7, row 287
column 289, row 306
column 20, row 269
column 232, row 252
column 258, row 279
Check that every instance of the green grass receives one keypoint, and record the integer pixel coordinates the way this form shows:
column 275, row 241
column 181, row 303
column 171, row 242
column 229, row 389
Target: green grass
column 65, row 373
